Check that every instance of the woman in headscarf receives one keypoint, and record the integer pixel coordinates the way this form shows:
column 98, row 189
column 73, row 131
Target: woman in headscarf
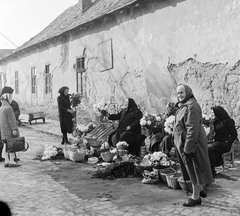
column 129, row 128
column 225, row 134
column 65, row 113
column 190, row 141
column 8, row 125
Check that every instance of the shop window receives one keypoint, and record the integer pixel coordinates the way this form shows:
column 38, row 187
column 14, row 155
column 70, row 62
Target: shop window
column 16, row 83
column 34, row 79
column 48, row 80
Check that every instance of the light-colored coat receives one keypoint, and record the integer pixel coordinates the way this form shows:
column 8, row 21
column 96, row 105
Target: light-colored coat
column 8, row 121
column 190, row 137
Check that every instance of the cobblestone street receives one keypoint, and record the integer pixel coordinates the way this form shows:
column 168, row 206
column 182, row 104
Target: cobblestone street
column 29, row 190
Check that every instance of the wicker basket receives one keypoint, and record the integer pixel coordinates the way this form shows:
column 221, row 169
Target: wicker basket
column 186, row 186
column 164, row 172
column 77, row 157
column 172, row 180
column 139, row 169
column 107, row 156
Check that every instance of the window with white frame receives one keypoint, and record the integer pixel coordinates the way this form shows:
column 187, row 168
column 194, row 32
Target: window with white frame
column 48, row 80
column 16, row 83
column 34, row 79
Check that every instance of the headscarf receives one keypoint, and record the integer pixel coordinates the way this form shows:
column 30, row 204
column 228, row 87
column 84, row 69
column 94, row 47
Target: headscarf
column 7, row 97
column 131, row 104
column 220, row 113
column 62, row 90
column 188, row 91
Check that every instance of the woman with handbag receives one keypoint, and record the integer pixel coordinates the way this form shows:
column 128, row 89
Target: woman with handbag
column 65, row 113
column 8, row 125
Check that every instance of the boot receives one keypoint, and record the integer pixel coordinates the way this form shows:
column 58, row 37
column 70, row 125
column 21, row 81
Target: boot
column 63, row 140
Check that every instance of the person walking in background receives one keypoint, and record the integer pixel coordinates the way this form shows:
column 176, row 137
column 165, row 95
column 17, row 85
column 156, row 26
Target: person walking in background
column 190, row 141
column 65, row 113
column 129, row 128
column 225, row 134
column 8, row 125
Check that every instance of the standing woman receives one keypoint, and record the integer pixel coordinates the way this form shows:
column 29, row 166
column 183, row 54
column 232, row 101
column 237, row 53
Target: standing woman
column 65, row 113
column 190, row 141
column 8, row 125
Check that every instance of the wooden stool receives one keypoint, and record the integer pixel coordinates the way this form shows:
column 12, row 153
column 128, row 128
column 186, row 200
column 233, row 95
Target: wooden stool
column 231, row 155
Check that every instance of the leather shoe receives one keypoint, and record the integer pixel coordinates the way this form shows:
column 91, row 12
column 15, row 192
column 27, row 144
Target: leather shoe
column 6, row 165
column 203, row 194
column 191, row 202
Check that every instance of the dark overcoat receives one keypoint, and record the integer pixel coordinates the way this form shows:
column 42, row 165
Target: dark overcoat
column 65, row 117
column 190, row 137
column 132, row 137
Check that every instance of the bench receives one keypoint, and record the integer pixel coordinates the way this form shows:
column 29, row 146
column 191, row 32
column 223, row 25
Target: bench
column 36, row 116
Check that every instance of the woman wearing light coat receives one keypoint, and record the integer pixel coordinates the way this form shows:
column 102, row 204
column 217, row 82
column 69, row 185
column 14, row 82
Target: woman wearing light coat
column 8, row 126
column 191, row 143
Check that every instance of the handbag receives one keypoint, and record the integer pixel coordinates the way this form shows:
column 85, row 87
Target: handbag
column 16, row 144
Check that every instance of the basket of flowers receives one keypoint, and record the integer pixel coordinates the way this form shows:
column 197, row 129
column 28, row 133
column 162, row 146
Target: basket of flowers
column 172, row 180
column 185, row 185
column 152, row 122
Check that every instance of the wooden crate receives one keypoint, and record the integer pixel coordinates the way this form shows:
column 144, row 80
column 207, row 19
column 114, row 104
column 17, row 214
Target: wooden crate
column 36, row 116
column 100, row 134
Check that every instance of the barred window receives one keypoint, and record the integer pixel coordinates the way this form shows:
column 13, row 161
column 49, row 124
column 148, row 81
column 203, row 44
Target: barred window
column 16, row 83
column 34, row 79
column 48, row 80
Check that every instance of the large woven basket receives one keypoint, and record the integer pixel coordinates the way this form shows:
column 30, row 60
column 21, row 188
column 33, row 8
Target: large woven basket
column 185, row 185
column 139, row 169
column 107, row 156
column 172, row 180
column 164, row 172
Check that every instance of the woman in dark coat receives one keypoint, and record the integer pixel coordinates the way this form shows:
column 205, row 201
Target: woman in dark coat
column 191, row 143
column 129, row 128
column 225, row 134
column 65, row 113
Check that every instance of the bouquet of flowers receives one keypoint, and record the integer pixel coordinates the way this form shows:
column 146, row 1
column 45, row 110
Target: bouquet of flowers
column 151, row 121
column 169, row 123
column 51, row 152
column 75, row 100
column 156, row 157
column 206, row 120
column 101, row 108
column 120, row 150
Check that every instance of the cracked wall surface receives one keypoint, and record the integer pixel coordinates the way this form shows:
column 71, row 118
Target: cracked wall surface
column 212, row 84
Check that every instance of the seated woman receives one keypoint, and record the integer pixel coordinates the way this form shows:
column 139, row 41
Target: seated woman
column 129, row 128
column 225, row 134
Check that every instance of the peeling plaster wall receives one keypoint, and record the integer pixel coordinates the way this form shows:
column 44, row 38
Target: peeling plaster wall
column 212, row 84
column 152, row 44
